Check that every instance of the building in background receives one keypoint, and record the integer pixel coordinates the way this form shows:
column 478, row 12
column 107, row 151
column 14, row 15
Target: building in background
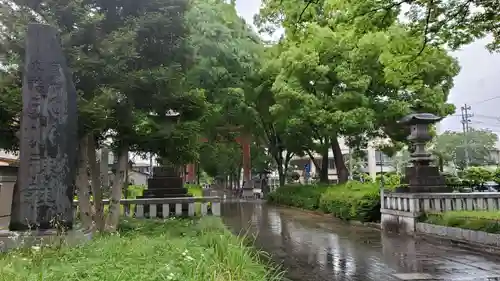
column 375, row 162
column 8, row 158
column 139, row 169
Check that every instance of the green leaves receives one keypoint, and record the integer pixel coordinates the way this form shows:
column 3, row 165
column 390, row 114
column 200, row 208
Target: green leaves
column 456, row 147
column 477, row 175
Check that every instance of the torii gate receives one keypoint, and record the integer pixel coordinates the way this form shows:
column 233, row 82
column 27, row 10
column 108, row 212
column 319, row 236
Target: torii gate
column 244, row 141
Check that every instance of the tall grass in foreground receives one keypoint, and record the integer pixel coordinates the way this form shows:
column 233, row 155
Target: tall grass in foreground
column 145, row 250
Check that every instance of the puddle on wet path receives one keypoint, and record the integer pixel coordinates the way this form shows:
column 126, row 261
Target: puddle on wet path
column 318, row 248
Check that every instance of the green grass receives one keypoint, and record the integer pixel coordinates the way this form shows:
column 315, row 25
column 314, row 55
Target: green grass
column 487, row 221
column 145, row 250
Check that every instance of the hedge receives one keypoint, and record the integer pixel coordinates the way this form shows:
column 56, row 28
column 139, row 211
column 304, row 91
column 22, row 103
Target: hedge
column 487, row 221
column 300, row 196
column 351, row 201
column 194, row 189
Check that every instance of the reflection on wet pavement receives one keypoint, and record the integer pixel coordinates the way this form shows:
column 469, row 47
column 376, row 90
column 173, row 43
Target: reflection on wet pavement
column 315, row 248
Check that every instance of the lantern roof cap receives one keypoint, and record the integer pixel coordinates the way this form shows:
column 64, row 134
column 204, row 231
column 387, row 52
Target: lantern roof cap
column 420, row 118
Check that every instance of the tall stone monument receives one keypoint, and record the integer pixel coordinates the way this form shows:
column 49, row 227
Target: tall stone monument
column 421, row 176
column 48, row 142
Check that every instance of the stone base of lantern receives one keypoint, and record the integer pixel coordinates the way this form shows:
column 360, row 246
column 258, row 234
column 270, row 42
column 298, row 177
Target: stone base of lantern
column 423, row 179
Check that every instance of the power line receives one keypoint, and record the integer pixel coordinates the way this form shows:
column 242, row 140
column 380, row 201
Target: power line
column 487, row 116
column 486, row 100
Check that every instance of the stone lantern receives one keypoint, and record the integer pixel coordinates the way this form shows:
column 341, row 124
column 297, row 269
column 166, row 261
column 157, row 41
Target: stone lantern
column 421, row 176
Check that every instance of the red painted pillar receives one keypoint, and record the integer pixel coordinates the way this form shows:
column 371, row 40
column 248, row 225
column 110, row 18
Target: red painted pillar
column 191, row 173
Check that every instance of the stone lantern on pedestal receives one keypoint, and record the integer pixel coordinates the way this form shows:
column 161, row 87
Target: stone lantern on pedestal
column 421, row 176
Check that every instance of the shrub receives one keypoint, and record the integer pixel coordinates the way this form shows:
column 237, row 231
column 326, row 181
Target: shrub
column 391, row 180
column 487, row 221
column 452, row 180
column 301, row 196
column 477, row 175
column 194, row 189
column 352, row 201
column 133, row 191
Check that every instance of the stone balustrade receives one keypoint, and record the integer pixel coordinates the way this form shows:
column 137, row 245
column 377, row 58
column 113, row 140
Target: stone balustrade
column 163, row 207
column 401, row 210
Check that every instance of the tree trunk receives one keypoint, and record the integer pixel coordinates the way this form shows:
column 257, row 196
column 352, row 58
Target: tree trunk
column 288, row 158
column 311, row 156
column 281, row 175
column 323, row 172
column 82, row 184
column 342, row 172
column 95, row 174
column 116, row 189
column 278, row 159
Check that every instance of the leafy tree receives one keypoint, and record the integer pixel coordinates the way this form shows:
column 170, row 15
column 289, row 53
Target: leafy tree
column 477, row 176
column 496, row 176
column 129, row 60
column 282, row 136
column 455, row 22
column 222, row 160
column 262, row 162
column 324, row 79
column 10, row 108
column 227, row 52
column 452, row 147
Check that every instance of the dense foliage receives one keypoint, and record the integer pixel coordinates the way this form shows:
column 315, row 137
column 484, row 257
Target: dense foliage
column 455, row 22
column 350, row 201
column 473, row 148
column 338, row 78
column 353, row 201
column 347, row 77
column 300, row 196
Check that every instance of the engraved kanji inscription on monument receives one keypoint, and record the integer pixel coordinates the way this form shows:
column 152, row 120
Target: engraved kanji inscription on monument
column 48, row 142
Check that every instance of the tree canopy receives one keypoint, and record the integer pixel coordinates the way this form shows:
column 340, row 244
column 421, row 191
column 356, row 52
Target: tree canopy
column 473, row 147
column 454, row 23
column 352, row 79
column 160, row 76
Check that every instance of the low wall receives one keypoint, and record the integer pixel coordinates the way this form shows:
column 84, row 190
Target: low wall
column 459, row 234
column 400, row 211
column 8, row 178
column 160, row 207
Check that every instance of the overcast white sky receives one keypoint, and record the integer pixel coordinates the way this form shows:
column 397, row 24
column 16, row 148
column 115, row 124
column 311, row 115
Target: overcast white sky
column 477, row 83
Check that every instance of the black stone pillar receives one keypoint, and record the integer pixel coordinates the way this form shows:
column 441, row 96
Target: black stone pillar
column 43, row 198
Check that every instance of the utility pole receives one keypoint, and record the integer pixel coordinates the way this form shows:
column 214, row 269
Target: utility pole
column 465, row 127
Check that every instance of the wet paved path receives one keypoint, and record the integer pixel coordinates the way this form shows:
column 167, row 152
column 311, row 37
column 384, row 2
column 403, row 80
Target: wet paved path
column 316, row 248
